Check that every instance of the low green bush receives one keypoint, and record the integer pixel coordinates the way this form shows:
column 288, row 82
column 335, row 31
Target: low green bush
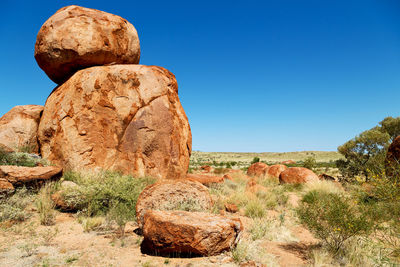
column 99, row 193
column 13, row 208
column 333, row 218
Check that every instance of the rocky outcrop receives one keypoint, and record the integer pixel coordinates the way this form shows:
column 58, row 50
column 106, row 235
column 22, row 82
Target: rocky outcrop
column 75, row 38
column 275, row 170
column 5, row 186
column 229, row 207
column 18, row 128
column 188, row 233
column 393, row 158
column 288, row 162
column 17, row 175
column 257, row 169
column 297, row 175
column 122, row 117
column 206, row 168
column 170, row 194
column 206, row 180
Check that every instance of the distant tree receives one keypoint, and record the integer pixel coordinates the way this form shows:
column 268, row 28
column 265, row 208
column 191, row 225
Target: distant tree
column 255, row 160
column 365, row 153
column 310, row 163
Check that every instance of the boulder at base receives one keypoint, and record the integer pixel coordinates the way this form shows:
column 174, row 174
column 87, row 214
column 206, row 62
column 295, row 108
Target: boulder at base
column 22, row 175
column 257, row 169
column 275, row 170
column 126, row 118
column 75, row 38
column 188, row 233
column 393, row 158
column 297, row 175
column 18, row 128
column 169, row 194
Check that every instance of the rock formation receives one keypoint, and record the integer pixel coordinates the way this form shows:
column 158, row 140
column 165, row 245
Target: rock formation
column 206, row 180
column 17, row 175
column 18, row 128
column 257, row 169
column 167, row 194
column 188, row 233
column 121, row 117
column 296, row 175
column 76, row 37
column 275, row 170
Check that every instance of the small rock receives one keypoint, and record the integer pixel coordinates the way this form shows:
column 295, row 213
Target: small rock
column 257, row 169
column 231, row 208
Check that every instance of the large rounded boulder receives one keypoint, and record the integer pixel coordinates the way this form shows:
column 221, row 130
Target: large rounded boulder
column 276, row 170
column 173, row 194
column 257, row 169
column 76, row 37
column 18, row 128
column 297, row 175
column 125, row 118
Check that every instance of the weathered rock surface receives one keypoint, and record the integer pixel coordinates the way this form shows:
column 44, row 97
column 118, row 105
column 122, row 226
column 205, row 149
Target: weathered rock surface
column 231, row 207
column 167, row 194
column 19, row 126
column 275, row 170
column 206, row 168
column 189, row 233
column 76, row 37
column 393, row 158
column 206, row 180
column 5, row 186
column 22, row 175
column 297, row 175
column 288, row 162
column 121, row 117
column 257, row 169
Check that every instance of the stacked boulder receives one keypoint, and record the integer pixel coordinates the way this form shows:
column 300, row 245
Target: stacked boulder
column 107, row 112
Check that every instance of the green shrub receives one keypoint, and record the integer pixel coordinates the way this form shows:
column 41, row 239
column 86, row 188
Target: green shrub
column 310, row 163
column 255, row 160
column 13, row 208
column 121, row 213
column 332, row 218
column 98, row 193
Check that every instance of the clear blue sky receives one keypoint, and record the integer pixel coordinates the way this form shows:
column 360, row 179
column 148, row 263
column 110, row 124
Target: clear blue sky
column 282, row 75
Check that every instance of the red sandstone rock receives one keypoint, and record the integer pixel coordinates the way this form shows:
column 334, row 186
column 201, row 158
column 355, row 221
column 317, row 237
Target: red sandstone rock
column 166, row 194
column 75, row 38
column 122, row 117
column 297, row 175
column 257, row 169
column 189, row 233
column 228, row 176
column 205, row 179
column 206, row 168
column 5, row 186
column 21, row 175
column 18, row 128
column 275, row 170
column 231, row 208
column 288, row 162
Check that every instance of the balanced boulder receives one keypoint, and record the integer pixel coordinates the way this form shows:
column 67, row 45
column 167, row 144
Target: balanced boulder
column 275, row 170
column 188, row 233
column 257, row 169
column 76, row 37
column 170, row 194
column 126, row 118
column 297, row 175
column 18, row 128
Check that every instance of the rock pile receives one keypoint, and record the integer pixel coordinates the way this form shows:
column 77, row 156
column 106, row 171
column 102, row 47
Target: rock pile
column 107, row 112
